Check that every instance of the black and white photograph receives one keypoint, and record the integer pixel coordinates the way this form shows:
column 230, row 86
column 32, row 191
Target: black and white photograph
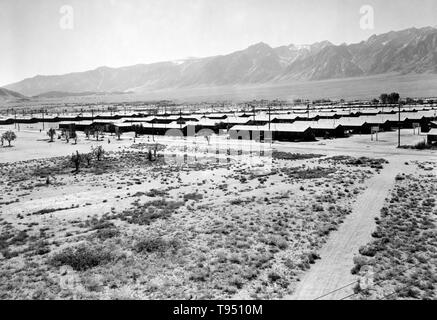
column 236, row 151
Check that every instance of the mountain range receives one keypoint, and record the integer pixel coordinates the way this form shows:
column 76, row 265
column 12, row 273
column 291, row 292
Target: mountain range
column 410, row 51
column 6, row 95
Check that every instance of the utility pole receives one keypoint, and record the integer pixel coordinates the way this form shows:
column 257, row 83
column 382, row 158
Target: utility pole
column 269, row 117
column 399, row 125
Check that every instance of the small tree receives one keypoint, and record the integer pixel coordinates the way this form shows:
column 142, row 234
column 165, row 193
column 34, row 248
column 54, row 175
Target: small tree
column 87, row 133
column 118, row 133
column 87, row 157
column 98, row 152
column 51, row 133
column 76, row 159
column 9, row 136
column 383, row 98
column 138, row 129
column 98, row 131
column 66, row 134
column 393, row 97
column 73, row 135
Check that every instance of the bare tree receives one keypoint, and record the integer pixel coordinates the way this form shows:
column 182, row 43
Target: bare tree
column 98, row 131
column 66, row 135
column 51, row 133
column 98, row 152
column 118, row 133
column 76, row 159
column 73, row 135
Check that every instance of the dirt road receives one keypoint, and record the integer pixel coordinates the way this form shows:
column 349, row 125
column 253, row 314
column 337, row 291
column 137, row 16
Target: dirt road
column 332, row 271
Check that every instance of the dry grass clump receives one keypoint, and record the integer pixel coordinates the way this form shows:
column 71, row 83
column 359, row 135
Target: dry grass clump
column 360, row 162
column 193, row 196
column 153, row 243
column 147, row 146
column 144, row 214
column 156, row 193
column 82, row 257
column 403, row 251
column 294, row 156
column 307, row 173
column 227, row 241
column 423, row 145
column 15, row 242
column 104, row 234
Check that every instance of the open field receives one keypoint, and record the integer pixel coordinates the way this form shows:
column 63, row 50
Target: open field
column 218, row 155
column 127, row 227
column 242, row 224
column 332, row 271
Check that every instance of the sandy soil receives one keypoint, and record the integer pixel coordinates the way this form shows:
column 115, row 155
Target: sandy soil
column 333, row 270
column 246, row 226
column 35, row 145
column 400, row 259
column 330, row 277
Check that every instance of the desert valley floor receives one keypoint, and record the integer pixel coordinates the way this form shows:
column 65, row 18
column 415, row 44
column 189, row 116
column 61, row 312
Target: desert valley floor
column 256, row 221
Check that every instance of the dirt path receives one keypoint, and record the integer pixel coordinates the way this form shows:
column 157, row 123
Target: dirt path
column 332, row 271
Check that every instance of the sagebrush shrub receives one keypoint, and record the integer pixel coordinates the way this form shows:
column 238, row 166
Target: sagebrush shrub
column 82, row 257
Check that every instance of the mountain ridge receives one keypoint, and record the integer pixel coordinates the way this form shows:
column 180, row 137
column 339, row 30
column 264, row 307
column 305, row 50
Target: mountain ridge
column 409, row 51
column 6, row 95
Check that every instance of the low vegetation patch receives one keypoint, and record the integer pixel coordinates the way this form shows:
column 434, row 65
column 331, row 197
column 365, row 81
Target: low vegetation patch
column 151, row 244
column 307, row 173
column 421, row 146
column 402, row 254
column 294, row 156
column 359, row 162
column 144, row 214
column 82, row 257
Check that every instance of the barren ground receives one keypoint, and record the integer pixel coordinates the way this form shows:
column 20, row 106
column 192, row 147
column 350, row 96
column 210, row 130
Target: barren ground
column 229, row 226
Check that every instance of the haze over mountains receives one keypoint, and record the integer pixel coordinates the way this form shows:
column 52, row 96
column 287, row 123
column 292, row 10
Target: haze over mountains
column 10, row 95
column 408, row 51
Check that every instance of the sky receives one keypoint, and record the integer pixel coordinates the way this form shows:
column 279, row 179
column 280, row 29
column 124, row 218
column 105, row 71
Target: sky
column 44, row 37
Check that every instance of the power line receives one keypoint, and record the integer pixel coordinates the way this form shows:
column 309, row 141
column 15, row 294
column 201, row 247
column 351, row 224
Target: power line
column 354, row 282
column 378, row 283
column 396, row 291
column 338, row 289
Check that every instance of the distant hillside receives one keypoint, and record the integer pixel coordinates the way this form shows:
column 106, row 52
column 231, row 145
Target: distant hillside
column 63, row 94
column 411, row 51
column 6, row 94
